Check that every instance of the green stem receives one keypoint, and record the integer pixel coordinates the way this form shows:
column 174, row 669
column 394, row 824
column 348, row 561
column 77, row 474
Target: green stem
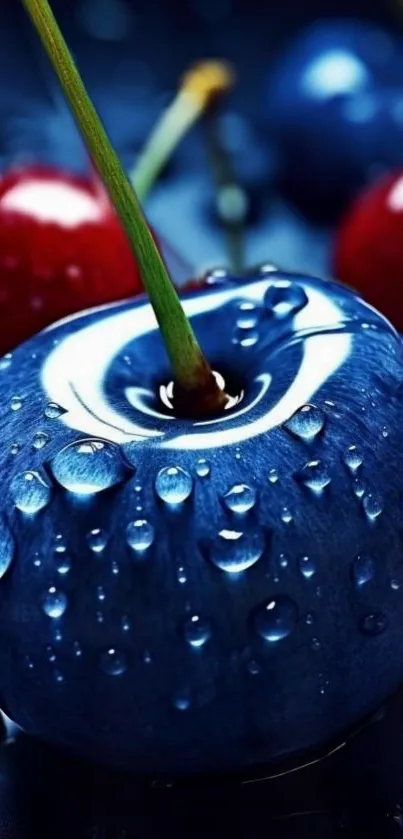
column 191, row 371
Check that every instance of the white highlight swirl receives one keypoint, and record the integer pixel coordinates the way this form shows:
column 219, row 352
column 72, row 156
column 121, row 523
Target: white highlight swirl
column 75, row 369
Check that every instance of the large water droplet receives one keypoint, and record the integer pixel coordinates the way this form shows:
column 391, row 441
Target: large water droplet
column 173, row 485
column 240, row 498
column 55, row 603
column 374, row 624
column 276, row 619
column 203, row 468
column 88, row 466
column 372, row 504
column 285, row 298
column 314, row 475
column 114, row 662
column 235, row 550
column 353, row 458
column 306, row 423
column 7, row 547
column 197, row 631
column 362, row 569
column 97, row 539
column 53, row 410
column 30, row 492
column 39, row 440
column 140, row 535
column 306, row 566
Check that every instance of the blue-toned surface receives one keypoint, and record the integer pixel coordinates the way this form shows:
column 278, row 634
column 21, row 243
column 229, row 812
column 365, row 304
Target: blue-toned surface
column 230, row 593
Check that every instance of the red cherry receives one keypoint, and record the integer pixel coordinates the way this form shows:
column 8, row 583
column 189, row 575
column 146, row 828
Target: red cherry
column 368, row 253
column 62, row 249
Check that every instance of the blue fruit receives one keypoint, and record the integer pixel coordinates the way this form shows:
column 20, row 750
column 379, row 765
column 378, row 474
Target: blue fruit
column 182, row 596
column 334, row 106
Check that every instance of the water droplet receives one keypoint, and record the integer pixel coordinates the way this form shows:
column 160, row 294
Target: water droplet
column 240, row 498
column 88, row 466
column 147, row 657
column 97, row 540
column 59, row 544
column 359, row 487
column 273, row 476
column 15, row 448
column 254, row 668
column 78, row 650
column 315, row 644
column 374, row 624
column 181, row 701
column 248, row 314
column 395, row 584
column 126, row 623
column 362, row 569
column 245, row 338
column 30, row 492
column 385, row 432
column 57, row 634
column 101, row 596
column 309, row 619
column 51, row 655
column 353, row 458
column 100, row 617
column 283, row 560
column 314, row 475
column 114, row 662
column 39, row 440
column 62, row 563
column 203, row 468
column 58, row 676
column 139, row 535
column 181, row 575
column 53, row 410
column 235, row 550
column 115, row 568
column 5, row 362
column 28, row 662
column 285, row 298
column 307, row 567
column 55, row 603
column 37, row 560
column 197, row 631
column 286, row 516
column 173, row 485
column 276, row 619
column 372, row 504
column 16, row 403
column 306, row 423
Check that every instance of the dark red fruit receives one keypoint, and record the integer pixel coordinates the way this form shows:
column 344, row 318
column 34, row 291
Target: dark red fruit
column 62, row 249
column 368, row 253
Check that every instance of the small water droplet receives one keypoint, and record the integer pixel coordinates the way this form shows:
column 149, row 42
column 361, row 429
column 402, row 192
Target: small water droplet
column 88, row 466
column 181, row 701
column 30, row 492
column 39, row 440
column 62, row 563
column 78, row 650
column 359, row 487
column 353, row 458
column 286, row 516
column 140, row 535
column 115, row 568
column 276, row 619
column 15, row 448
column 235, row 550
column 100, row 617
column 385, row 431
column 254, row 668
column 245, row 338
column 97, row 540
column 55, row 603
column 306, row 423
column 315, row 644
column 126, row 623
column 314, row 475
column 307, row 567
column 197, row 631
column 309, row 619
column 5, row 362
column 283, row 560
column 285, row 298
column 101, row 596
column 147, row 657
column 173, row 485
column 51, row 655
column 374, row 624
column 114, row 662
column 240, row 498
column 53, row 410
column 273, row 476
column 58, row 676
column 28, row 662
column 57, row 634
column 362, row 569
column 16, row 403
column 372, row 504
column 203, row 468
column 37, row 560
column 395, row 584
column 181, row 575
column 59, row 544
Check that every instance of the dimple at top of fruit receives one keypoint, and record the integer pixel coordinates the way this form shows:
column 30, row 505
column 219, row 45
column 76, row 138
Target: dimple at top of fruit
column 257, row 552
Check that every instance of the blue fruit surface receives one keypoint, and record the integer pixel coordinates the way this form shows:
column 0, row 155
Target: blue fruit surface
column 183, row 596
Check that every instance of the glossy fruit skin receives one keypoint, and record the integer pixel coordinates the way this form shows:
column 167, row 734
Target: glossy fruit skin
column 62, row 249
column 115, row 668
column 334, row 107
column 368, row 246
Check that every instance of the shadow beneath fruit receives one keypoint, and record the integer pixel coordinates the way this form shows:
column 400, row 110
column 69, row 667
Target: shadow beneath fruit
column 353, row 793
